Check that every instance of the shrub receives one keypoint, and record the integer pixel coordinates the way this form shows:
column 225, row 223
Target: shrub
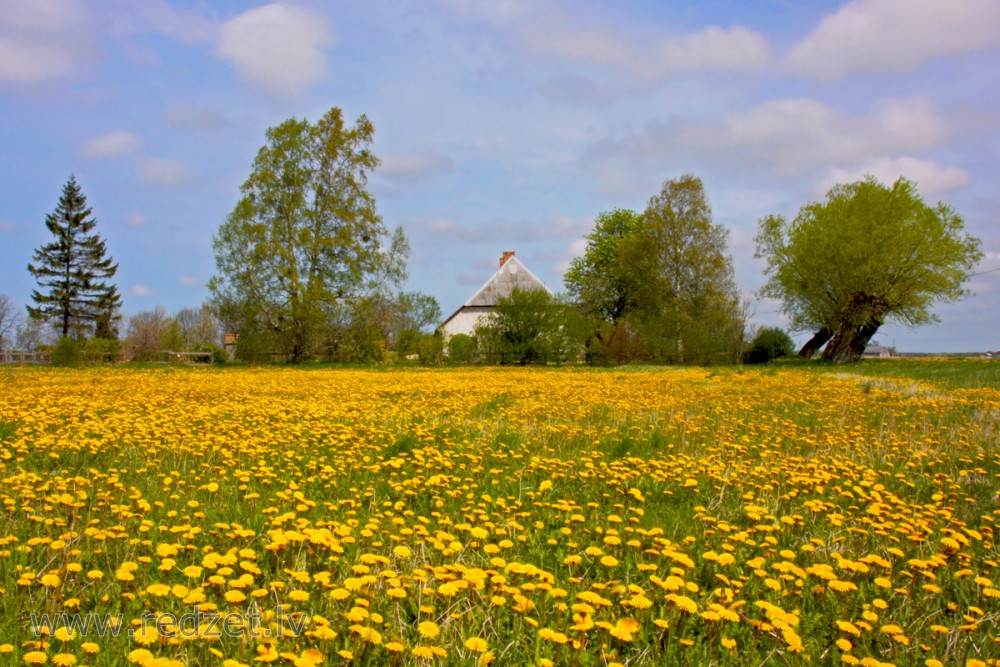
column 66, row 352
column 769, row 343
column 461, row 349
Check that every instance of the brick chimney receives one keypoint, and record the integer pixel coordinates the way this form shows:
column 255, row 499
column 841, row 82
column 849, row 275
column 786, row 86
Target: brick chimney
column 507, row 255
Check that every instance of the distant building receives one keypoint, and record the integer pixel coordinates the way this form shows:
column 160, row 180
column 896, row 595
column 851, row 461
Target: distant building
column 875, row 351
column 511, row 274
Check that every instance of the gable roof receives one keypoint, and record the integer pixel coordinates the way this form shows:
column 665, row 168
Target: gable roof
column 512, row 275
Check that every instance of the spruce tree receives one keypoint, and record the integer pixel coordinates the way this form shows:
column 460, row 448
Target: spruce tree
column 74, row 271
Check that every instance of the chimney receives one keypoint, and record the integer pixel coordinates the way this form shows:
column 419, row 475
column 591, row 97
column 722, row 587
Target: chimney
column 507, row 255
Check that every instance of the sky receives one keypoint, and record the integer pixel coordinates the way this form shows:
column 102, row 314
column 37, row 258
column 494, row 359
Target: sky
column 500, row 124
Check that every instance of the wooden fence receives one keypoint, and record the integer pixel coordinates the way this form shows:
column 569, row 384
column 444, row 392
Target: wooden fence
column 20, row 357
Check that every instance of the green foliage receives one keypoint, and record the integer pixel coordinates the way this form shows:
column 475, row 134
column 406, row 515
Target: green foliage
column 430, row 349
column 769, row 343
column 259, row 347
column 529, row 326
column 67, row 352
column 305, row 237
column 461, row 349
column 600, row 282
column 687, row 307
column 867, row 255
column 101, row 350
column 74, row 271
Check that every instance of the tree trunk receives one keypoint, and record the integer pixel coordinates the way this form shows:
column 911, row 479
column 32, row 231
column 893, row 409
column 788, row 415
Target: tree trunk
column 813, row 344
column 850, row 342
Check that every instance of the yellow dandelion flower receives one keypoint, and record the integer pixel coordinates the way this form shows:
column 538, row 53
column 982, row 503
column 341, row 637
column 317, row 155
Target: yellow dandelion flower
column 429, row 629
column 476, row 644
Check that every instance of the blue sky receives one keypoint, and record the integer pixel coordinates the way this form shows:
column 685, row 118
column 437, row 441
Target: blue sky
column 501, row 124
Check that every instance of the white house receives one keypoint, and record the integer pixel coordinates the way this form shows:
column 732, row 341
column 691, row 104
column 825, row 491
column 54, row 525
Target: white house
column 511, row 274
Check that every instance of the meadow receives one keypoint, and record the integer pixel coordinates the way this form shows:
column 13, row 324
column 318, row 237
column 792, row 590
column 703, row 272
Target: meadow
column 787, row 515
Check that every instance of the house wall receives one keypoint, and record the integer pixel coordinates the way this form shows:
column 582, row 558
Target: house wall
column 465, row 321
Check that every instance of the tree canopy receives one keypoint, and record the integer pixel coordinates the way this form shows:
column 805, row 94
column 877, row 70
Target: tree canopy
column 74, row 271
column 599, row 281
column 687, row 304
column 869, row 254
column 529, row 326
column 305, row 239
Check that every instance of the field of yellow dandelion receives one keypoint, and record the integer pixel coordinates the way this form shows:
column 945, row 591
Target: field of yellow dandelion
column 500, row 516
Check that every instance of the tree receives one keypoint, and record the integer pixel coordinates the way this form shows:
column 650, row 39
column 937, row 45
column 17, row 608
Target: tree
column 769, row 343
column 867, row 255
column 74, row 271
column 687, row 306
column 305, row 238
column 603, row 286
column 151, row 332
column 198, row 328
column 529, row 326
column 10, row 321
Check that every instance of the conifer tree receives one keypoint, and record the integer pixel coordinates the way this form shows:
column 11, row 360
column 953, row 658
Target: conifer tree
column 74, row 271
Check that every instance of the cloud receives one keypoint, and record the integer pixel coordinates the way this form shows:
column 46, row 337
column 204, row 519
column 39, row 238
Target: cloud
column 493, row 11
column 554, row 36
column 115, row 144
column 140, row 291
column 575, row 249
column 894, row 36
column 190, row 117
column 557, row 37
column 714, row 48
column 456, row 232
column 126, row 18
column 780, row 137
column 276, row 49
column 414, row 166
column 164, row 172
column 188, row 281
column 930, row 177
column 6, row 226
column 136, row 220
column 43, row 40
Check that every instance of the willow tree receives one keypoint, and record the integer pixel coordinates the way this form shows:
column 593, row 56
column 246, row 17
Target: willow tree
column 305, row 238
column 868, row 255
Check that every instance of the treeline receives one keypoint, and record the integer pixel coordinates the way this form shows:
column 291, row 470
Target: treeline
column 306, row 269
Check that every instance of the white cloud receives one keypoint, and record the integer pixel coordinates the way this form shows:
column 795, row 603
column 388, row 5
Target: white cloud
column 43, row 40
column 165, row 172
column 6, row 226
column 575, row 249
column 414, row 166
column 276, row 49
column 894, row 36
column 556, row 36
column 188, row 281
column 140, row 291
column 136, row 220
column 114, row 144
column 788, row 134
column 930, row 177
column 713, row 48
